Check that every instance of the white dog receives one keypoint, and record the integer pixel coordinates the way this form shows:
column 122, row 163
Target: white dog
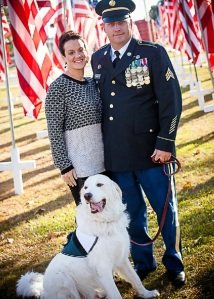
column 102, row 240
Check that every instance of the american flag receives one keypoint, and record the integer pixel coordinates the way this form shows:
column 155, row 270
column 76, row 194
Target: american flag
column 2, row 71
column 190, row 29
column 63, row 21
column 175, row 34
column 46, row 12
column 164, row 25
column 6, row 34
column 39, row 37
column 206, row 16
column 44, row 3
column 29, row 70
column 88, row 23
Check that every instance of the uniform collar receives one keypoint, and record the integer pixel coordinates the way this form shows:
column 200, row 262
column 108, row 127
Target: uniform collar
column 106, row 63
column 122, row 50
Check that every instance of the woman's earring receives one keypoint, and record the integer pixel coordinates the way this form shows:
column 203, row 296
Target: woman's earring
column 65, row 65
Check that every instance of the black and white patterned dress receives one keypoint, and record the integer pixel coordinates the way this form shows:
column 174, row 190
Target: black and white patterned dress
column 73, row 113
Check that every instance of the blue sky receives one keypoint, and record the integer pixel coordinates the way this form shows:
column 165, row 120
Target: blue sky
column 139, row 12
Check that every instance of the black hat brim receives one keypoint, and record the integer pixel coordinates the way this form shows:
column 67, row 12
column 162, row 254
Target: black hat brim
column 115, row 18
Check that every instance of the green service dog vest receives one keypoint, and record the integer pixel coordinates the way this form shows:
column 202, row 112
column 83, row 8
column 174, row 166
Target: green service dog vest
column 79, row 244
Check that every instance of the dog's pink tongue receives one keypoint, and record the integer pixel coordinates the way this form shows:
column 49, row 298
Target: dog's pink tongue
column 98, row 207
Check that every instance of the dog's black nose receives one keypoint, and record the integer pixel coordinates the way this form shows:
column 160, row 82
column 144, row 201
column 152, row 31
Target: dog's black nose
column 88, row 196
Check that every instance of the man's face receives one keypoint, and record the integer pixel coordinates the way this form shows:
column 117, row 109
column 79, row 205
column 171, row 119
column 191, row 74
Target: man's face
column 119, row 33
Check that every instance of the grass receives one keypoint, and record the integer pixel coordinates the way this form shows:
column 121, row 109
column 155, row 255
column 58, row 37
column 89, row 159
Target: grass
column 34, row 225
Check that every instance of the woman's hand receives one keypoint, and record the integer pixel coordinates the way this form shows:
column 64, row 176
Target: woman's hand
column 70, row 178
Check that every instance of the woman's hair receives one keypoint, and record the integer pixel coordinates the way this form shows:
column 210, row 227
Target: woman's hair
column 69, row 35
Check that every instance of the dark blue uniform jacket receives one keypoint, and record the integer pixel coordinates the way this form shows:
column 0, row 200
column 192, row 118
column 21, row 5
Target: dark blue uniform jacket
column 139, row 118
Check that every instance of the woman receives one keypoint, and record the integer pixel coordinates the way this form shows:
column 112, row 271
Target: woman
column 73, row 112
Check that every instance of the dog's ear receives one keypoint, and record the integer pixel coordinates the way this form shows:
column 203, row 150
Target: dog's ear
column 117, row 188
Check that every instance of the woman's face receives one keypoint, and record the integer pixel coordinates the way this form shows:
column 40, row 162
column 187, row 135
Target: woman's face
column 76, row 55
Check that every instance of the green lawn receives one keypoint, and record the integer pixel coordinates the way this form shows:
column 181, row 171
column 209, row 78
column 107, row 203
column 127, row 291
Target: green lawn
column 34, row 225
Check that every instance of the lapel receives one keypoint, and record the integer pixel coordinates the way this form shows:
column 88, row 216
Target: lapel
column 126, row 59
column 105, row 61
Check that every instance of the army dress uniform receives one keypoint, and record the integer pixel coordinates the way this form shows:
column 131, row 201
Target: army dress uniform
column 141, row 104
column 141, row 110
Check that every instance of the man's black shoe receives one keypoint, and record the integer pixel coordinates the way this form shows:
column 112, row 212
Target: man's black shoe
column 144, row 273
column 178, row 279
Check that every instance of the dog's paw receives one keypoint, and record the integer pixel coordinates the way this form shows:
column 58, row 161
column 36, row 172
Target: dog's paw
column 100, row 294
column 151, row 294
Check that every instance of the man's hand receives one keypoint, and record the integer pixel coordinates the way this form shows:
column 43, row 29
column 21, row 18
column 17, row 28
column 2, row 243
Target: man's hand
column 70, row 178
column 161, row 156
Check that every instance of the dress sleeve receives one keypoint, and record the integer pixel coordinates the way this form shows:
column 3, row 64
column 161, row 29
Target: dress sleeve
column 168, row 95
column 55, row 116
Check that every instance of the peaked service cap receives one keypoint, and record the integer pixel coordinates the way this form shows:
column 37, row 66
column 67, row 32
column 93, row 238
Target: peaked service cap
column 114, row 10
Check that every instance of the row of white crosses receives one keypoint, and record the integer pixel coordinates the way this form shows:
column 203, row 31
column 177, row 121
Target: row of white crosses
column 196, row 89
column 15, row 165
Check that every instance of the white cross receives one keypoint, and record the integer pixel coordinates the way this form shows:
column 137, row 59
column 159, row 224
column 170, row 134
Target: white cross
column 210, row 107
column 199, row 92
column 42, row 134
column 16, row 167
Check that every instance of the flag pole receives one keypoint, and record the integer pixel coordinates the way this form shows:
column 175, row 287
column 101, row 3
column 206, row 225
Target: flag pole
column 7, row 83
column 148, row 23
column 64, row 14
column 205, row 44
column 190, row 42
column 15, row 165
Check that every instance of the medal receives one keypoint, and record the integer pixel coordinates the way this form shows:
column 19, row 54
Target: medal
column 147, row 80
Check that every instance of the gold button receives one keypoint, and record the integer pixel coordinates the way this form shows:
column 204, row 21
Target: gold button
column 111, row 118
column 111, row 105
column 150, row 130
column 113, row 82
column 112, row 94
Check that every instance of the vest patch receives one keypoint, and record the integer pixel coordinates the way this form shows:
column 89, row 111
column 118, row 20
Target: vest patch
column 79, row 244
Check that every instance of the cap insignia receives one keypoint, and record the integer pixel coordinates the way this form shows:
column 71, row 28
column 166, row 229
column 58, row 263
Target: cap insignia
column 112, row 3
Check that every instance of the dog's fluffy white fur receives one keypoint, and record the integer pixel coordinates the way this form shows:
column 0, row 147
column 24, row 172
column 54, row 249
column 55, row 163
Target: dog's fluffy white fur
column 102, row 214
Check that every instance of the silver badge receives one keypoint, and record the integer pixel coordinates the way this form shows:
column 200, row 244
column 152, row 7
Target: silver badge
column 97, row 76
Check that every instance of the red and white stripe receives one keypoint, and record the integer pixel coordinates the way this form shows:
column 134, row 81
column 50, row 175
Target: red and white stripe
column 39, row 37
column 164, row 24
column 206, row 16
column 44, row 3
column 172, row 25
column 46, row 12
column 63, row 21
column 190, row 29
column 6, row 34
column 29, row 71
column 89, row 24
column 2, row 70
column 85, row 22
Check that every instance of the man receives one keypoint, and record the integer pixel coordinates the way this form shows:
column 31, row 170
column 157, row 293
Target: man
column 141, row 109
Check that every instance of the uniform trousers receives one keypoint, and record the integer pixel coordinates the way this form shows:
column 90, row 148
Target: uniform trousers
column 154, row 184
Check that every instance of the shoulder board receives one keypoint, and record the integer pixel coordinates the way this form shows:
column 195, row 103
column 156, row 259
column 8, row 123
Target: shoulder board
column 142, row 43
column 103, row 47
